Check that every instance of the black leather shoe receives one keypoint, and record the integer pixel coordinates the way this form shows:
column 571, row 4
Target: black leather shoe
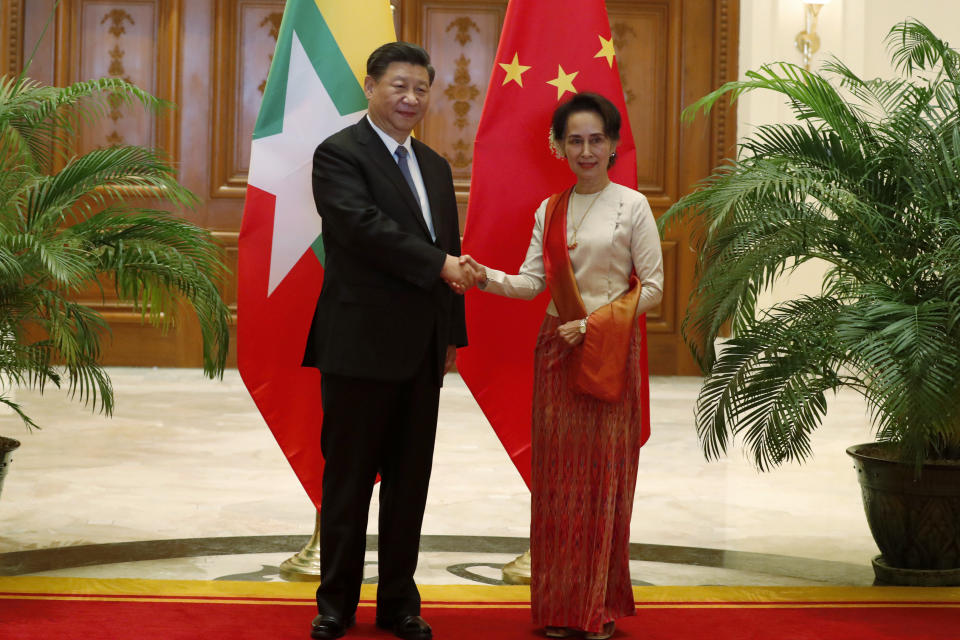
column 408, row 627
column 330, row 627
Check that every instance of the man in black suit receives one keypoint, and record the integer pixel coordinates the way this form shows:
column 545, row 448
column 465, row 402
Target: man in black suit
column 385, row 330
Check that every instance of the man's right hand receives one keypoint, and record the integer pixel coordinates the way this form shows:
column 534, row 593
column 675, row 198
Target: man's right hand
column 479, row 271
column 457, row 277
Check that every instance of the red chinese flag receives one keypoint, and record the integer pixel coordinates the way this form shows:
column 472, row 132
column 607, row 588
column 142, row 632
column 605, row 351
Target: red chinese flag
column 548, row 51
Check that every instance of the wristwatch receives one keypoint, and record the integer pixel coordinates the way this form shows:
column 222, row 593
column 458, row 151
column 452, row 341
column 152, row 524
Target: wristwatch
column 583, row 325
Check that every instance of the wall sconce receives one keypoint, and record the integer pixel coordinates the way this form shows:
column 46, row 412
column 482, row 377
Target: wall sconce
column 808, row 42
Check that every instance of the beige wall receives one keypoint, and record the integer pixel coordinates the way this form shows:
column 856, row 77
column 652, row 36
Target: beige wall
column 852, row 30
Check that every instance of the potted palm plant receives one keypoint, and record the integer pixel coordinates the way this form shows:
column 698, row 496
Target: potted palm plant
column 89, row 224
column 867, row 181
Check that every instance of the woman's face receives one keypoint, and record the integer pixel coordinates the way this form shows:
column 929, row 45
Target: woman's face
column 586, row 147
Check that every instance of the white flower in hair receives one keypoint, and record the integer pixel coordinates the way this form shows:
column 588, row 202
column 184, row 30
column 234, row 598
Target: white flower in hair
column 555, row 148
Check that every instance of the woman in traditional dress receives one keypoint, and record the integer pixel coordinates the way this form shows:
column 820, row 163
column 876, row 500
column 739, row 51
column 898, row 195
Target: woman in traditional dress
column 596, row 247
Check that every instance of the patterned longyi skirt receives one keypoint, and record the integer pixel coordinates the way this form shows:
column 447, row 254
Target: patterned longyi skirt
column 584, row 457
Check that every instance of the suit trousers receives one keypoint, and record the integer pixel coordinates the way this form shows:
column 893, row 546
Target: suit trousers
column 370, row 427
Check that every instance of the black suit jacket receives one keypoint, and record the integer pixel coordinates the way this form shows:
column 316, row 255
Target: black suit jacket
column 383, row 307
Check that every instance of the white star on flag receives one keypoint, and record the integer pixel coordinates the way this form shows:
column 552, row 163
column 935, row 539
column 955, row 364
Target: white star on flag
column 282, row 164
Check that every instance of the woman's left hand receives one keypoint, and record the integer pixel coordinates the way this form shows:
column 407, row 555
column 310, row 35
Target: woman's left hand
column 570, row 332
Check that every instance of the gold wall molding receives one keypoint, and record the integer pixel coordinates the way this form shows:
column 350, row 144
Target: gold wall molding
column 229, row 242
column 232, row 86
column 462, row 157
column 462, row 92
column 463, row 26
column 14, row 35
column 273, row 20
column 116, row 63
column 663, row 317
column 724, row 122
column 116, row 17
column 622, row 33
column 157, row 72
column 462, row 38
column 646, row 38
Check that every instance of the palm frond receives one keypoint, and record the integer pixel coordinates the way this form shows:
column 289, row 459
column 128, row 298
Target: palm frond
column 76, row 230
column 914, row 47
column 768, row 384
column 868, row 182
column 46, row 119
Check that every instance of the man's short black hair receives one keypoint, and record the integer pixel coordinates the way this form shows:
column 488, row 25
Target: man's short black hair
column 384, row 55
column 590, row 102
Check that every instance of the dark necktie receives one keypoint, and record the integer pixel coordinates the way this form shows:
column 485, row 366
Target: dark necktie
column 401, row 154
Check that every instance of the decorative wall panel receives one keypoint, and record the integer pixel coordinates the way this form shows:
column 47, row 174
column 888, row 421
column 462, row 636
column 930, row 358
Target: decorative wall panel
column 725, row 70
column 11, row 26
column 32, row 40
column 462, row 40
column 136, row 41
column 228, row 240
column 663, row 319
column 119, row 42
column 647, row 45
column 246, row 36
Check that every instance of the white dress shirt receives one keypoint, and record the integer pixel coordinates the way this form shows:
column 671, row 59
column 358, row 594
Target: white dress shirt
column 414, row 167
column 619, row 235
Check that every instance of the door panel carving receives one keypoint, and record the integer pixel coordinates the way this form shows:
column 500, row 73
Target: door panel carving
column 11, row 26
column 462, row 38
column 137, row 41
column 645, row 43
column 243, row 49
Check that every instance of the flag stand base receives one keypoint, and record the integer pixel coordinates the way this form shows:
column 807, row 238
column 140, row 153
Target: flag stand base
column 304, row 566
column 518, row 571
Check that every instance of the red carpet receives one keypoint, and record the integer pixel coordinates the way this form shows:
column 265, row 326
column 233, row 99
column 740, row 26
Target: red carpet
column 35, row 608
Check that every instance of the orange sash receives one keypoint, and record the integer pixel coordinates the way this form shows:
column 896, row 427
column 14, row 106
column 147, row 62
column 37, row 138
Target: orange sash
column 599, row 363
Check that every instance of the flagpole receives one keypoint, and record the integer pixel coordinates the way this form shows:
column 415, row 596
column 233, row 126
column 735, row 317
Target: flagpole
column 518, row 570
column 304, row 566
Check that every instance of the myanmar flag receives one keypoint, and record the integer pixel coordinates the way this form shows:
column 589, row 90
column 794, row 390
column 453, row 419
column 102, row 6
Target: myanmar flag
column 548, row 52
column 314, row 88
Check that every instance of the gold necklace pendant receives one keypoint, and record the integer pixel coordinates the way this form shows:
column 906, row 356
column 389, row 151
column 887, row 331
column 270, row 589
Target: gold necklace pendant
column 572, row 244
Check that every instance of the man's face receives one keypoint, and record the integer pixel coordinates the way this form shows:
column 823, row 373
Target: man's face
column 399, row 99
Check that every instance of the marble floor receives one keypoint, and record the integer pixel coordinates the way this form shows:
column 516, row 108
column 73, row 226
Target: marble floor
column 186, row 482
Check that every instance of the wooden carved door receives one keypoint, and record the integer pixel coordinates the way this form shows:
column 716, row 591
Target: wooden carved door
column 211, row 57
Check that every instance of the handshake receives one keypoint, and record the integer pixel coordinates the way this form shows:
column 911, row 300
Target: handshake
column 462, row 273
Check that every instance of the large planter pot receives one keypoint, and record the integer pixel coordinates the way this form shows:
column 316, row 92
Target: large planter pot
column 7, row 447
column 915, row 521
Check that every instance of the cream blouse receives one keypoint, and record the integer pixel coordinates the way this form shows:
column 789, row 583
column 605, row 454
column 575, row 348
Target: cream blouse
column 618, row 235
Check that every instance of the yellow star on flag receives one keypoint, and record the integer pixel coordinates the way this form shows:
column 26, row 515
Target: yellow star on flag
column 514, row 71
column 563, row 82
column 606, row 50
